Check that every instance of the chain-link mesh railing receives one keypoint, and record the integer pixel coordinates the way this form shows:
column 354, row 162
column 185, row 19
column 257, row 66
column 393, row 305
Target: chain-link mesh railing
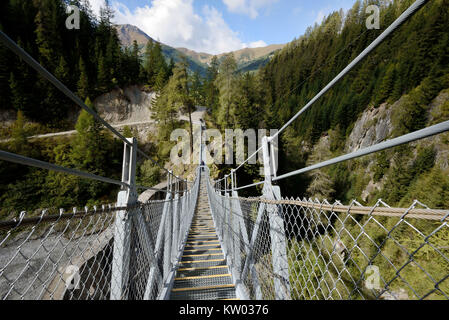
column 306, row 249
column 83, row 254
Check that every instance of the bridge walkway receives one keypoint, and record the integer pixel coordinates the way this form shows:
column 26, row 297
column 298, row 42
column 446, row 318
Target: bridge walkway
column 202, row 273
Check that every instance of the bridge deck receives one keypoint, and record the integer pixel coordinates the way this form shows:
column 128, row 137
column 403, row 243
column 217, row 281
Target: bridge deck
column 203, row 273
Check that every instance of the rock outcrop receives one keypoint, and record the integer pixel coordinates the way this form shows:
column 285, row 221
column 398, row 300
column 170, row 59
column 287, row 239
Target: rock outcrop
column 131, row 104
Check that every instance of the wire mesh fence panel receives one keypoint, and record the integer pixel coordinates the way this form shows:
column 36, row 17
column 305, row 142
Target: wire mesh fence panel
column 66, row 256
column 72, row 255
column 338, row 252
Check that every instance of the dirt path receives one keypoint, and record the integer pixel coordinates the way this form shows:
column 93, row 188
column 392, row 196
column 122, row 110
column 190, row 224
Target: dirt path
column 196, row 116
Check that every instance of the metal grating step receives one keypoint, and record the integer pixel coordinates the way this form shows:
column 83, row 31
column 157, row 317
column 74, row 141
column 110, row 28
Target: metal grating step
column 202, row 257
column 201, row 251
column 202, row 233
column 195, row 272
column 203, row 247
column 199, row 242
column 202, row 273
column 202, row 263
column 192, row 243
column 198, row 239
column 202, row 281
column 212, row 293
column 202, row 237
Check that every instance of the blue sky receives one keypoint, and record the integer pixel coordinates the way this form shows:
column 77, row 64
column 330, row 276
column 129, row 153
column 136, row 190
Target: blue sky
column 223, row 25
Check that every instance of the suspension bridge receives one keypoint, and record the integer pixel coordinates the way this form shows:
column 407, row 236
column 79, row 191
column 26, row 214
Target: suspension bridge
column 201, row 240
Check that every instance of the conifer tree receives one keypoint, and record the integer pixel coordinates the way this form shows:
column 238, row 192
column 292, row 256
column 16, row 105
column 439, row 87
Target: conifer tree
column 197, row 91
column 225, row 83
column 211, row 90
column 83, row 82
column 135, row 61
column 18, row 98
column 103, row 75
column 19, row 136
column 179, row 94
column 387, row 85
column 148, row 63
column 88, row 149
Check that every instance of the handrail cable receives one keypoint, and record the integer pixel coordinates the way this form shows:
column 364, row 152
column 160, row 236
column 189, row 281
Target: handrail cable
column 19, row 159
column 398, row 22
column 385, row 145
column 304, row 81
column 9, row 43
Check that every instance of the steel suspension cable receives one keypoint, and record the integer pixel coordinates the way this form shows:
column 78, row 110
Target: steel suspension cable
column 397, row 23
column 417, row 135
column 15, row 158
column 410, row 11
column 9, row 43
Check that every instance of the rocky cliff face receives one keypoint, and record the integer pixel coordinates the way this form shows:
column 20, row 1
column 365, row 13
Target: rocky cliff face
column 128, row 105
column 373, row 126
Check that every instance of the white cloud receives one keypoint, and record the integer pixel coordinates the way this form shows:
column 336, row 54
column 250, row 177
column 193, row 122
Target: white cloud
column 248, row 7
column 175, row 23
column 96, row 5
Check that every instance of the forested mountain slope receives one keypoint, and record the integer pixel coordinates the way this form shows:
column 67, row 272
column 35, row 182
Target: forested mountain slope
column 89, row 60
column 406, row 73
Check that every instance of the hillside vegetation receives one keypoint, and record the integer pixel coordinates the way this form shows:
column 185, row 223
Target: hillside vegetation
column 407, row 72
column 90, row 62
column 403, row 86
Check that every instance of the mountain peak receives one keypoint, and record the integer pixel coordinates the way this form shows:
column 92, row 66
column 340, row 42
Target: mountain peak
column 248, row 59
column 127, row 33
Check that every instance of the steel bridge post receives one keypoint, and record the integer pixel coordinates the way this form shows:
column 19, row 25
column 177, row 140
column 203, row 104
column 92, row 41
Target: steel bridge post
column 122, row 225
column 176, row 209
column 277, row 229
column 241, row 234
column 168, row 244
column 228, row 231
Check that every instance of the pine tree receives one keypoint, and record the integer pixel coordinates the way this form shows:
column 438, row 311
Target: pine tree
column 112, row 61
column 211, row 90
column 160, row 80
column 19, row 142
column 170, row 68
column 179, row 93
column 322, row 186
column 18, row 97
column 127, row 133
column 148, row 63
column 135, row 62
column 248, row 102
column 21, row 84
column 49, row 19
column 103, row 75
column 225, row 83
column 158, row 61
column 83, row 82
column 387, row 85
column 56, row 99
column 197, row 91
column 106, row 14
column 89, row 146
column 5, row 75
